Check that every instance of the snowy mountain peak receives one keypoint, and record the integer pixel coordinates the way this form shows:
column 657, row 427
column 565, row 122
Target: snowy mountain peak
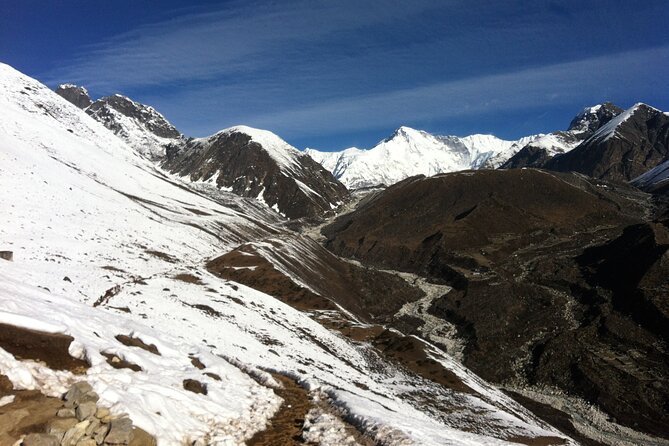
column 283, row 153
column 590, row 119
column 408, row 152
column 611, row 128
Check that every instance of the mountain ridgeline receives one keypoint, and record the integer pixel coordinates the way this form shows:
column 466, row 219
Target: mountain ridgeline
column 249, row 162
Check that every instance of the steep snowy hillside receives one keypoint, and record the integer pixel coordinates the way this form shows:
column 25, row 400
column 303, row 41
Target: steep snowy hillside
column 410, row 152
column 105, row 244
column 655, row 179
column 257, row 163
column 139, row 125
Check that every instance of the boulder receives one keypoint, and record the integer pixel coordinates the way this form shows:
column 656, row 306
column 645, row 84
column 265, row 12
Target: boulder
column 120, row 432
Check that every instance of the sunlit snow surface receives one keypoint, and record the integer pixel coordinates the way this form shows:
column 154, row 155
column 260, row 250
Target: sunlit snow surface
column 410, row 152
column 79, row 202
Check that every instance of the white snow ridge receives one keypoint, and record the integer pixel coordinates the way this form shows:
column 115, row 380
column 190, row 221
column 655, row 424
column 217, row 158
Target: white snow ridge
column 410, row 152
column 81, row 204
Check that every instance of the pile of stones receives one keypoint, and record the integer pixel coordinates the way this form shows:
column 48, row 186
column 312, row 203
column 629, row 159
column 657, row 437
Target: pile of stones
column 80, row 422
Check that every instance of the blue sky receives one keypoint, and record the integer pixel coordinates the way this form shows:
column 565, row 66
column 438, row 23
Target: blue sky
column 334, row 74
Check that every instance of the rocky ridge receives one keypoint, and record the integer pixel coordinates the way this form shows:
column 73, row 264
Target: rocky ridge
column 256, row 163
column 624, row 148
column 538, row 152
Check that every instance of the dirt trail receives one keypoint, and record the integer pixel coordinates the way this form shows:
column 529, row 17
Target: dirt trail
column 286, row 426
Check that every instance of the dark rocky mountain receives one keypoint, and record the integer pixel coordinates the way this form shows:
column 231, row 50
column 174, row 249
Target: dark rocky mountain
column 585, row 124
column 558, row 280
column 74, row 94
column 623, row 149
column 257, row 163
column 590, row 120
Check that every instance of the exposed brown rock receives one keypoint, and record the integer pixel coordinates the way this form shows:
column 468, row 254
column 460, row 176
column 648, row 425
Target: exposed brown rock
column 195, row 386
column 136, row 342
column 52, row 349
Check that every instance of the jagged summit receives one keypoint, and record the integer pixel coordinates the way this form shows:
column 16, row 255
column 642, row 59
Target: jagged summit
column 542, row 149
column 139, row 125
column 592, row 118
column 75, row 94
column 622, row 149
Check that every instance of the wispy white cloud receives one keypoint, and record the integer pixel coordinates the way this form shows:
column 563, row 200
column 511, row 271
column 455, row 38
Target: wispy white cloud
column 308, row 68
column 593, row 79
column 245, row 37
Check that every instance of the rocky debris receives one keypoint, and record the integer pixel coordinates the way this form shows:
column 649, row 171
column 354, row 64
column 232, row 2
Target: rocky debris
column 131, row 341
column 557, row 279
column 82, row 423
column 120, row 432
column 7, row 255
column 74, row 94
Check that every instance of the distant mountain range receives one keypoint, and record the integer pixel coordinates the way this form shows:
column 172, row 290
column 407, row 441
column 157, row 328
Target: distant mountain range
column 409, row 152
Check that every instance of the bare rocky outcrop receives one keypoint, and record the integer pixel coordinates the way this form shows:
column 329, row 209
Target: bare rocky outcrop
column 74, row 94
column 255, row 163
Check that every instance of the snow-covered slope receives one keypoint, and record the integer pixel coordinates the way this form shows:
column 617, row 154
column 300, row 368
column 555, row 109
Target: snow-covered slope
column 139, row 125
column 411, row 152
column 132, row 241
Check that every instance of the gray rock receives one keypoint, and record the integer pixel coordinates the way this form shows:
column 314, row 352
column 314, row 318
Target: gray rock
column 89, row 396
column 86, row 442
column 58, row 426
column 95, row 424
column 74, row 94
column 102, row 412
column 100, row 433
column 77, row 391
column 86, row 410
column 75, row 433
column 7, row 255
column 66, row 412
column 41, row 440
column 120, row 432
